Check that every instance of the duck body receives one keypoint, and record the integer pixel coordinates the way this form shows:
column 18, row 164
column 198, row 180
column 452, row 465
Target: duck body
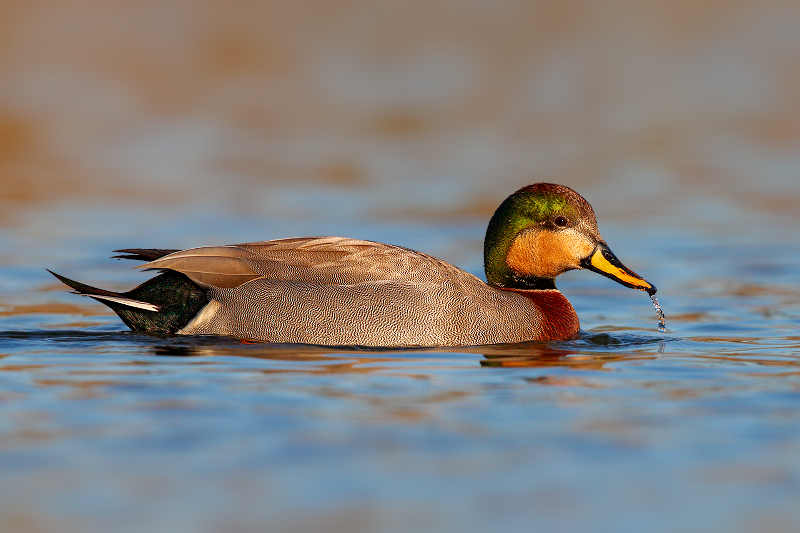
column 337, row 291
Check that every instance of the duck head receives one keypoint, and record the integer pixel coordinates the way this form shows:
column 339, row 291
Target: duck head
column 544, row 230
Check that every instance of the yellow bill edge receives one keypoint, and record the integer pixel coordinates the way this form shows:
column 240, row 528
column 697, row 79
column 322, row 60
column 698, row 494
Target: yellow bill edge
column 603, row 261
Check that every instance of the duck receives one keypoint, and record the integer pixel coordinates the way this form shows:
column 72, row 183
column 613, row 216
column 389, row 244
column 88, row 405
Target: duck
column 336, row 291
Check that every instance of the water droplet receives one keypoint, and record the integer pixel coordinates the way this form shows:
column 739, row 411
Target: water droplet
column 662, row 323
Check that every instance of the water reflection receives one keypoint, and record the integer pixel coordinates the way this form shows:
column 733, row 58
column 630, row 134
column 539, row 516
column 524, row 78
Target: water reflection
column 592, row 351
column 588, row 352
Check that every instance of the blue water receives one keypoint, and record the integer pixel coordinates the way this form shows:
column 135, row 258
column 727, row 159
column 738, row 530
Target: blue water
column 623, row 429
column 176, row 124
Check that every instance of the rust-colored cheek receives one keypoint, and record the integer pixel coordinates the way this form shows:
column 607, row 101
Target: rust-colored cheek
column 546, row 254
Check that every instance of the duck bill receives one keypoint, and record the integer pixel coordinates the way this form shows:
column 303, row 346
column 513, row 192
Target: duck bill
column 603, row 261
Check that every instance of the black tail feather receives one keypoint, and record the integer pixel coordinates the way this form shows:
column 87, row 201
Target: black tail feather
column 143, row 254
column 80, row 288
column 177, row 297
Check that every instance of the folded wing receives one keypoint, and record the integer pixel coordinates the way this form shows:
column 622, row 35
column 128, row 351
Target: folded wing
column 322, row 260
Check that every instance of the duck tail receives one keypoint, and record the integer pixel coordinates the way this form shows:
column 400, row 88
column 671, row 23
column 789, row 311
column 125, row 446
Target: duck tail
column 143, row 254
column 163, row 304
column 105, row 296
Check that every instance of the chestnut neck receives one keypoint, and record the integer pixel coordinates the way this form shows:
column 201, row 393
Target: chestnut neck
column 559, row 320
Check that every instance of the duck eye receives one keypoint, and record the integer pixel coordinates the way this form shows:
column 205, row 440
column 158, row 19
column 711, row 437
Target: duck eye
column 561, row 221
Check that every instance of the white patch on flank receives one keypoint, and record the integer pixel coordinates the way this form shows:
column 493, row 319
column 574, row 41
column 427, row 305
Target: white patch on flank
column 199, row 323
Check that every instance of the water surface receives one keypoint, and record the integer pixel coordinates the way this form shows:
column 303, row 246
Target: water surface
column 159, row 125
column 620, row 426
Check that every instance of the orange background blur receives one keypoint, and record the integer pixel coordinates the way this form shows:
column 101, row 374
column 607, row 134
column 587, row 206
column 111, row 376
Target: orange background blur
column 418, row 106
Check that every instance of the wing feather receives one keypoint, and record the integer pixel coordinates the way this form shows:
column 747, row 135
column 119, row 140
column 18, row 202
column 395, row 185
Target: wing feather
column 323, row 260
column 342, row 261
column 224, row 267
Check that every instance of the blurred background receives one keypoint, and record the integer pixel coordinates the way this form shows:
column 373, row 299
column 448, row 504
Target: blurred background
column 377, row 108
column 179, row 123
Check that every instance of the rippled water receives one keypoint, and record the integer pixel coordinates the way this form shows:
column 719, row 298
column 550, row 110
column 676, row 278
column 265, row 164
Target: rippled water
column 697, row 429
column 159, row 125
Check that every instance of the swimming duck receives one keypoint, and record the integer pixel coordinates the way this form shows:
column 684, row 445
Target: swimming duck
column 337, row 291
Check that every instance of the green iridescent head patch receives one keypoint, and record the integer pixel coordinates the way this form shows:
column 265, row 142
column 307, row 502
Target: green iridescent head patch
column 533, row 206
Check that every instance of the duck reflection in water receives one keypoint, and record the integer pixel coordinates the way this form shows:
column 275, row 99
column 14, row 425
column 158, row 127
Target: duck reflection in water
column 591, row 352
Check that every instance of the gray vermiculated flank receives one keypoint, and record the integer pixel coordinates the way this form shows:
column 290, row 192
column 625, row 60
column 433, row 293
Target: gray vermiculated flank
column 340, row 291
